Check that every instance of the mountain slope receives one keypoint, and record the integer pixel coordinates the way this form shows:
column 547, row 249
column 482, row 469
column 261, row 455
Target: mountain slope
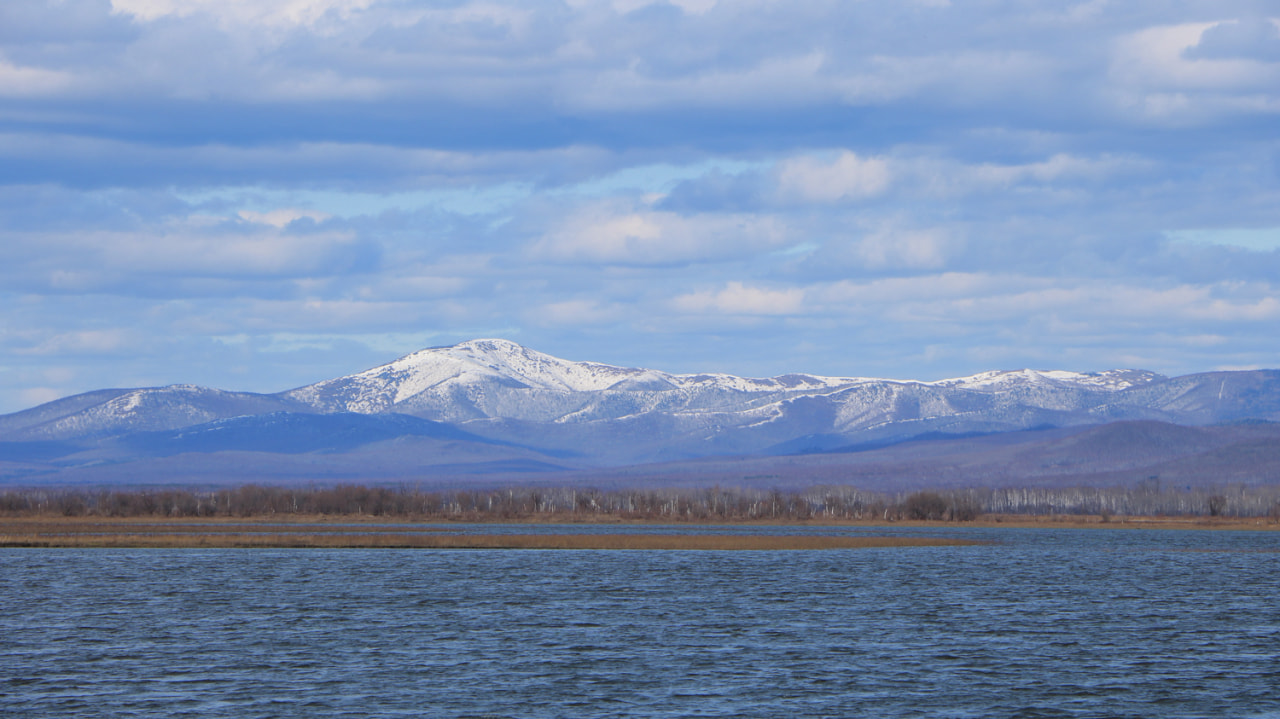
column 497, row 392
column 500, row 389
column 1120, row 454
column 113, row 412
column 292, row 433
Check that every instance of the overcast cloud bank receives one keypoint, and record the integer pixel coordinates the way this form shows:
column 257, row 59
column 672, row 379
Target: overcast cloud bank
column 259, row 195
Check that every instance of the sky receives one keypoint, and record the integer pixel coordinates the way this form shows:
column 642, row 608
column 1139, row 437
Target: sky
column 256, row 195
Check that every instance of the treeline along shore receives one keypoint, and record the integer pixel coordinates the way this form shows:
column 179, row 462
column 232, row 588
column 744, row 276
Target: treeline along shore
column 714, row 504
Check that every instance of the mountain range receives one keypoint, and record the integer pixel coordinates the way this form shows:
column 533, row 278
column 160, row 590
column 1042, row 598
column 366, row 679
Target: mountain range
column 497, row 410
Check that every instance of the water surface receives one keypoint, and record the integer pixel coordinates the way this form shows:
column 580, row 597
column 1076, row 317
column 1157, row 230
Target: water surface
column 1042, row 623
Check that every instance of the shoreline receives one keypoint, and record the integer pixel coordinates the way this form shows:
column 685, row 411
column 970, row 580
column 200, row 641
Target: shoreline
column 610, row 542
column 365, row 531
column 985, row 521
column 225, row 533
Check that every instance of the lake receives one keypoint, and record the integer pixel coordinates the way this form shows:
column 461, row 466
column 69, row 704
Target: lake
column 1039, row 623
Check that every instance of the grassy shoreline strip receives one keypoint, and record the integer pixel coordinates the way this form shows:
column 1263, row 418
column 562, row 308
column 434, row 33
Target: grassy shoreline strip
column 317, row 524
column 373, row 539
column 58, row 526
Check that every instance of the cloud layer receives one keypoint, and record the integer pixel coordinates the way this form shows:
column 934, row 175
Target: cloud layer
column 258, row 195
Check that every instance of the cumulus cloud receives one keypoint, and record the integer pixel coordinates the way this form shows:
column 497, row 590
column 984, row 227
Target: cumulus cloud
column 692, row 7
column 19, row 81
column 574, row 313
column 861, row 246
column 736, row 298
column 170, row 254
column 1157, row 72
column 242, row 12
column 934, row 188
column 283, row 216
column 917, row 249
column 611, row 234
column 409, row 287
column 977, row 299
column 335, row 169
column 847, row 177
column 791, row 79
column 1160, row 57
column 1256, row 38
column 1057, row 167
column 85, row 342
column 32, row 396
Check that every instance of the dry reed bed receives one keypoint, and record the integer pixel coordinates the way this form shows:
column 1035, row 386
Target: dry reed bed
column 26, row 522
column 28, row 525
column 132, row 534
column 511, row 541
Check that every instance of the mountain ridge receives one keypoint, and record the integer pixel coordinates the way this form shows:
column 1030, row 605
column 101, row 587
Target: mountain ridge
column 513, row 405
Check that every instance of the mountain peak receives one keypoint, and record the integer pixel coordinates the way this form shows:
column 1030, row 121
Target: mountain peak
column 1000, row 380
column 492, row 345
column 476, row 379
column 463, row 374
column 502, row 390
column 512, row 362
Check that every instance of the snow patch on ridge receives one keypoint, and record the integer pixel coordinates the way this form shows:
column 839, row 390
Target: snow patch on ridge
column 496, row 378
column 997, row 380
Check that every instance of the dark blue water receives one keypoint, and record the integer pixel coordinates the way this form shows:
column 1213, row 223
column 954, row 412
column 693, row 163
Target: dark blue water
column 1044, row 623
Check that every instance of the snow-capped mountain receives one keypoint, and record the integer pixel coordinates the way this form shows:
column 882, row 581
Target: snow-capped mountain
column 499, row 390
column 499, row 379
column 116, row 411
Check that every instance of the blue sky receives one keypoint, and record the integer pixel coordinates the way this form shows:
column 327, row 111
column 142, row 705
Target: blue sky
column 258, row 195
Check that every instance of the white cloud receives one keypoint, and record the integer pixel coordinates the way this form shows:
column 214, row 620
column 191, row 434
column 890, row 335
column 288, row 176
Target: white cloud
column 891, row 243
column 283, row 216
column 939, row 178
column 88, row 261
column 955, row 76
column 1204, row 340
column 944, row 289
column 1256, row 239
column 269, row 254
column 93, row 342
column 737, row 298
column 1237, row 310
column 411, row 287
column 242, row 12
column 360, row 177
column 695, row 7
column 690, row 7
column 610, row 234
column 1153, row 75
column 773, row 81
column 574, row 313
column 321, row 315
column 1157, row 57
column 980, row 299
column 847, row 177
column 16, row 81
column 401, row 343
column 1059, row 166
column 34, row 396
column 914, row 249
column 1084, row 11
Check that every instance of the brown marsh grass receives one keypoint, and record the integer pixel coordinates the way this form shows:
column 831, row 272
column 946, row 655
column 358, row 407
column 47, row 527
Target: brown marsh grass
column 98, row 533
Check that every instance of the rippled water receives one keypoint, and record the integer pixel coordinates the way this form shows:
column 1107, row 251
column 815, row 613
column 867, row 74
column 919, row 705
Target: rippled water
column 1044, row 623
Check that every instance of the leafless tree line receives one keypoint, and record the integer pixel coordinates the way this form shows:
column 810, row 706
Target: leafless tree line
column 713, row 504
